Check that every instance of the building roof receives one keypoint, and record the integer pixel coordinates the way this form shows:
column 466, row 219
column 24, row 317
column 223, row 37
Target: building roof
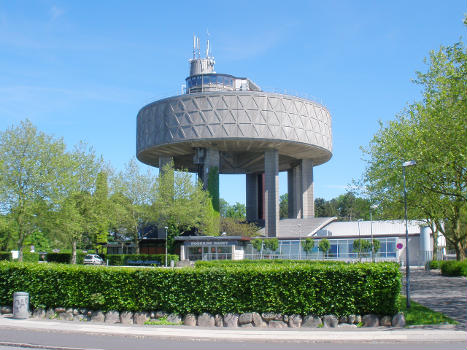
column 296, row 228
column 366, row 228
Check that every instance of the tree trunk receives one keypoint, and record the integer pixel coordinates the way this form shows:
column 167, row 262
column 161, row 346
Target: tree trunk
column 73, row 251
column 20, row 247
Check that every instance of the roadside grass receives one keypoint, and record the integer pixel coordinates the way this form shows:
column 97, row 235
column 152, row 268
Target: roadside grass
column 421, row 315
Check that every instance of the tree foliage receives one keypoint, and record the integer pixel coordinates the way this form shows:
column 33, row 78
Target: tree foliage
column 308, row 244
column 433, row 132
column 31, row 169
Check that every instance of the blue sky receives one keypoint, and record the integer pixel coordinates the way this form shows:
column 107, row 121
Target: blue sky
column 81, row 70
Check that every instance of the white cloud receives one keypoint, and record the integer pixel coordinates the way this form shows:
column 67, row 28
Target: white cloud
column 55, row 12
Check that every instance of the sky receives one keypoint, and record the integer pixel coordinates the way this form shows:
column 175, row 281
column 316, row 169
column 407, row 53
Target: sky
column 81, row 70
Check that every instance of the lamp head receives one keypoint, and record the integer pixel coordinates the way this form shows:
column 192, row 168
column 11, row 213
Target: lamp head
column 409, row 163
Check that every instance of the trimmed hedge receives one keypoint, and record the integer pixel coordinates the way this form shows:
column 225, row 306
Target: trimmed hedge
column 435, row 264
column 139, row 259
column 264, row 262
column 317, row 289
column 454, row 268
column 64, row 258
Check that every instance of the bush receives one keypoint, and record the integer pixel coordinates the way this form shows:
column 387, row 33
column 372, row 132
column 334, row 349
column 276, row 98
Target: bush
column 5, row 256
column 264, row 262
column 435, row 264
column 65, row 258
column 454, row 268
column 139, row 259
column 30, row 257
column 318, row 289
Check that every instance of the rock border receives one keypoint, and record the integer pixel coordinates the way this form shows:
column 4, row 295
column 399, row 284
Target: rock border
column 230, row 320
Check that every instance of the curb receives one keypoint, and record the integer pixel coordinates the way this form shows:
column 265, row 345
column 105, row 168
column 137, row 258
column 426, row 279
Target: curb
column 238, row 334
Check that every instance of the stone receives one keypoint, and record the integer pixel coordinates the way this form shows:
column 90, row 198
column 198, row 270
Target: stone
column 370, row 320
column 312, row 321
column 330, row 321
column 231, row 320
column 189, row 320
column 344, row 319
column 160, row 314
column 83, row 311
column 206, row 320
column 218, row 320
column 347, row 325
column 60, row 309
column 126, row 317
column 358, row 319
column 295, row 321
column 50, row 314
column 351, row 319
column 140, row 317
column 269, row 316
column 258, row 320
column 39, row 313
column 6, row 310
column 398, row 320
column 152, row 315
column 97, row 316
column 75, row 312
column 69, row 310
column 385, row 321
column 65, row 316
column 277, row 324
column 79, row 318
column 112, row 317
column 89, row 314
column 285, row 318
column 247, row 325
column 174, row 318
column 245, row 318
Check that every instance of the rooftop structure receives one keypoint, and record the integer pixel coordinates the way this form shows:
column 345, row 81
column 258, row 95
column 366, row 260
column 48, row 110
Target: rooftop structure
column 227, row 125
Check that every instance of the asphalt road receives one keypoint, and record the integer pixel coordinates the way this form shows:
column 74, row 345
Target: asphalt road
column 11, row 339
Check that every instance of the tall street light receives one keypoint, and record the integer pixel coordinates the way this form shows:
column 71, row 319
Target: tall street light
column 407, row 268
column 165, row 245
column 374, row 206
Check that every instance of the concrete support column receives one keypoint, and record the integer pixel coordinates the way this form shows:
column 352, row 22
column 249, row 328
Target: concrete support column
column 210, row 177
column 290, row 193
column 252, row 197
column 297, row 196
column 308, row 203
column 163, row 160
column 271, row 179
column 182, row 252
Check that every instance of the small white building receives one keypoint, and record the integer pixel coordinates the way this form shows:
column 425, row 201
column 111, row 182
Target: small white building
column 340, row 234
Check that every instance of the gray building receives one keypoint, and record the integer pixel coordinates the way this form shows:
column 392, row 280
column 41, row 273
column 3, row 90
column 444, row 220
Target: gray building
column 227, row 125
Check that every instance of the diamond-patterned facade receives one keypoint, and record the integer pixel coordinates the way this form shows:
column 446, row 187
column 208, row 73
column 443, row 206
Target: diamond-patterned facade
column 227, row 115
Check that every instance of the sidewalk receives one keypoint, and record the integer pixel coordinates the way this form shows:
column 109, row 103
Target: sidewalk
column 438, row 334
column 447, row 295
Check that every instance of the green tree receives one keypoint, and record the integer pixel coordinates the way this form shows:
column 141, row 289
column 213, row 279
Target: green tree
column 181, row 205
column 308, row 244
column 78, row 215
column 233, row 227
column 31, row 172
column 434, row 133
column 284, row 206
column 272, row 244
column 324, row 245
column 236, row 211
column 132, row 199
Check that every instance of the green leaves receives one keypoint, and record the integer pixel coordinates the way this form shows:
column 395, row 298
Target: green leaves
column 286, row 287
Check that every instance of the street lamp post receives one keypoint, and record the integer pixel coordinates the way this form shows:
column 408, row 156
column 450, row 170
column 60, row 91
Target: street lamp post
column 407, row 268
column 165, row 245
column 374, row 206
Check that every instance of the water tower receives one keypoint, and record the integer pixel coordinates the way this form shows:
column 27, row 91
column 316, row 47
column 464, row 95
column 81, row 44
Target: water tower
column 225, row 124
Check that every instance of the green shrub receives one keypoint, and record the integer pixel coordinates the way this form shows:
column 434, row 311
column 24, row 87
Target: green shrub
column 435, row 264
column 5, row 256
column 30, row 257
column 318, row 289
column 229, row 263
column 454, row 268
column 65, row 258
column 139, row 259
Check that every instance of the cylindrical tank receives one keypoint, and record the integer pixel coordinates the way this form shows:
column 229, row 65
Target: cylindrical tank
column 426, row 252
column 20, row 305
